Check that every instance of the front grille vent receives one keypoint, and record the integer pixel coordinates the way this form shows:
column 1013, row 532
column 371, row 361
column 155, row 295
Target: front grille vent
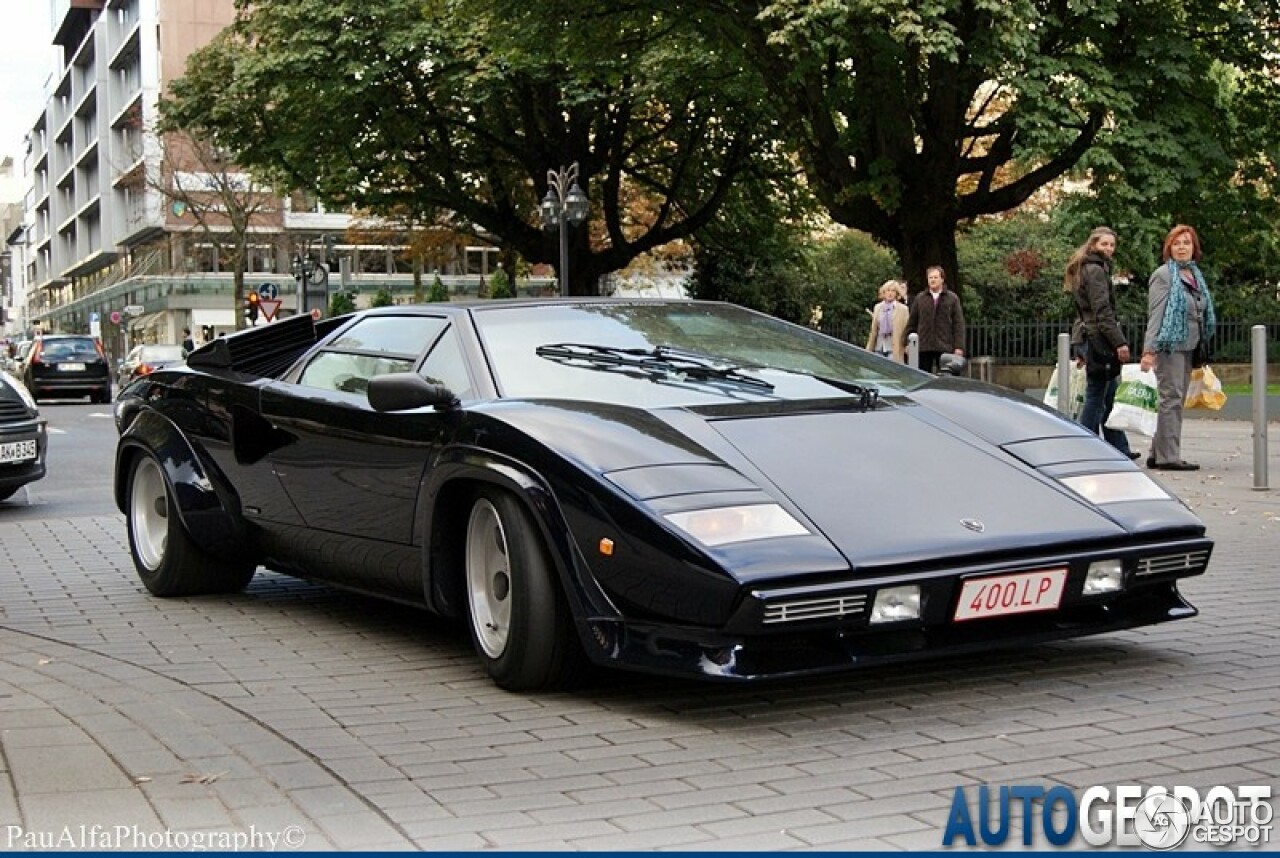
column 795, row 610
column 1167, row 564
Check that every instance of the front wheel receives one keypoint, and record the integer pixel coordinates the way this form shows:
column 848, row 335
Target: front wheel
column 520, row 623
column 167, row 560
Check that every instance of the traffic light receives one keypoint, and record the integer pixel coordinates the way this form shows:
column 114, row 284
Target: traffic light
column 251, row 307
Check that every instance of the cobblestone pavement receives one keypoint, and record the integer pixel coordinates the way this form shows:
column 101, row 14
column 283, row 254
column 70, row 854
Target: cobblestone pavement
column 296, row 712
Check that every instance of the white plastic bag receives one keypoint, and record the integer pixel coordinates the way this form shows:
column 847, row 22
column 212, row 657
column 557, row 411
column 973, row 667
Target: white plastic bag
column 1137, row 401
column 1075, row 393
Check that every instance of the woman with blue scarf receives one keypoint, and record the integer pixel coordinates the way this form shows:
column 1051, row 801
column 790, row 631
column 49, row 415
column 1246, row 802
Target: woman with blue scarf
column 1180, row 319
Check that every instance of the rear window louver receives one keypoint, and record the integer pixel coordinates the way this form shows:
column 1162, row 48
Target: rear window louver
column 265, row 351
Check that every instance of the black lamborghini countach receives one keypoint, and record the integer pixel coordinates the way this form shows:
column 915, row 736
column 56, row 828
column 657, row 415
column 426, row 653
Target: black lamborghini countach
column 676, row 487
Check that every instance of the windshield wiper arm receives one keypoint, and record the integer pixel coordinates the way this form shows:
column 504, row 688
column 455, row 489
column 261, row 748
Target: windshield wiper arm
column 660, row 362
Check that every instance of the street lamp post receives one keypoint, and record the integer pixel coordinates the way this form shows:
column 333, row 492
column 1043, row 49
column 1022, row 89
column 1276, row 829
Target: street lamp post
column 303, row 268
column 564, row 204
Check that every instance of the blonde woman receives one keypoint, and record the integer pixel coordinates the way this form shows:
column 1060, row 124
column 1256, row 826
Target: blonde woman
column 888, row 336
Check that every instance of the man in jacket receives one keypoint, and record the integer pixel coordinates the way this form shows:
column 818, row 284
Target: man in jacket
column 938, row 319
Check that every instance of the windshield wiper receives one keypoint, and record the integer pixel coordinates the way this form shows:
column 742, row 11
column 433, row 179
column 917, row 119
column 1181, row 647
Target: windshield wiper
column 661, row 363
column 868, row 397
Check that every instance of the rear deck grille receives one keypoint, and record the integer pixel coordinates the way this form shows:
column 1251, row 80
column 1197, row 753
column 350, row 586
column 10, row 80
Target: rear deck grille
column 794, row 610
column 1191, row 561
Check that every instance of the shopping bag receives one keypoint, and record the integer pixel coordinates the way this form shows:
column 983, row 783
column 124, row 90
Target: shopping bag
column 1075, row 390
column 1205, row 391
column 1137, row 401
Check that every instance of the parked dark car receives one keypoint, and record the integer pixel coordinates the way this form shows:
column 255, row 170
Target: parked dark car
column 67, row 365
column 22, row 437
column 147, row 358
column 669, row 486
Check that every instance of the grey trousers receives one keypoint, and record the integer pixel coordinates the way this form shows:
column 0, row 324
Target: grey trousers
column 1173, row 374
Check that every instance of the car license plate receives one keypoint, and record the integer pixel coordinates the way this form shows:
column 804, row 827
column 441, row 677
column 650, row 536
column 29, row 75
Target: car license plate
column 1003, row 595
column 70, row 367
column 17, row 451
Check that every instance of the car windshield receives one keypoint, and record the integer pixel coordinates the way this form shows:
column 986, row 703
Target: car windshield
column 161, row 353
column 72, row 349
column 657, row 354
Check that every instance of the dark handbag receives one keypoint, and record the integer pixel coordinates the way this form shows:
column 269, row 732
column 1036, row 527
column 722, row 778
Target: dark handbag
column 1100, row 358
column 1200, row 354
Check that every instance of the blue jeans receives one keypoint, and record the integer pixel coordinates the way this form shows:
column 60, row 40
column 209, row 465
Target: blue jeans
column 1099, row 396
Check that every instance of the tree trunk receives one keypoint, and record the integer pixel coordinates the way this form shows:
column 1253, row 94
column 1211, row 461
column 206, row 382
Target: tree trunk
column 925, row 247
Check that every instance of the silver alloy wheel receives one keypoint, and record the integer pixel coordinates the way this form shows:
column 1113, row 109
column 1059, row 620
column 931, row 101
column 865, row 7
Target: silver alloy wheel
column 488, row 579
column 149, row 512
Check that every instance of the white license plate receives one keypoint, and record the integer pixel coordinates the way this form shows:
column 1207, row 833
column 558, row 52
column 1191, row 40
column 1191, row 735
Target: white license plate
column 17, row 451
column 70, row 367
column 1003, row 595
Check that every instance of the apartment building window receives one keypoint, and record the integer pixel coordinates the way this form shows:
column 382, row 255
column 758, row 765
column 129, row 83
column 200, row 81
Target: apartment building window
column 262, row 259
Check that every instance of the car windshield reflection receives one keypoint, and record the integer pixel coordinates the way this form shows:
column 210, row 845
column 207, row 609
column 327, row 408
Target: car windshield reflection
column 640, row 354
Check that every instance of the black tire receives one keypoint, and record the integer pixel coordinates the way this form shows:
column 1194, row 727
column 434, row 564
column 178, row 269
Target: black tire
column 519, row 621
column 168, row 562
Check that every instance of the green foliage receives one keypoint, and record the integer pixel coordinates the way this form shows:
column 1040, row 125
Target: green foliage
column 421, row 106
column 383, row 298
column 500, row 285
column 1012, row 268
column 846, row 272
column 438, row 292
column 341, row 303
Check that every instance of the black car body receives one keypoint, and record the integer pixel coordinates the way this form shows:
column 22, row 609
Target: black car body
column 23, row 439
column 67, row 365
column 147, row 358
column 670, row 486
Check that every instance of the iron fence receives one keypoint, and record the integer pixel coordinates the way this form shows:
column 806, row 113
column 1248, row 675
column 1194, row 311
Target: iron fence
column 1037, row 342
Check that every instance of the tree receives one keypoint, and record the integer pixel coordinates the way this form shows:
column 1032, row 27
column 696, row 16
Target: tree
column 341, row 303
column 223, row 203
column 382, row 298
column 910, row 119
column 500, row 285
column 438, row 290
column 425, row 105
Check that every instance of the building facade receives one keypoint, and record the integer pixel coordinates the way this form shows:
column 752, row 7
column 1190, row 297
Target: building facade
column 109, row 248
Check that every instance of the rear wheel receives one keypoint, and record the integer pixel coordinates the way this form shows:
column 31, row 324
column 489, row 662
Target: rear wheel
column 168, row 562
column 519, row 621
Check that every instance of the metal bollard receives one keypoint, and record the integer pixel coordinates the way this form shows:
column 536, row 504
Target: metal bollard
column 913, row 351
column 1259, row 407
column 1064, row 374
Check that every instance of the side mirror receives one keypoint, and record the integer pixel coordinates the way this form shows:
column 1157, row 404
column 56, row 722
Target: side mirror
column 951, row 364
column 402, row 391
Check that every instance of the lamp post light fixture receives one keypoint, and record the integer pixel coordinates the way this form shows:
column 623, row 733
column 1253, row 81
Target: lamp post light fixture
column 303, row 267
column 564, row 204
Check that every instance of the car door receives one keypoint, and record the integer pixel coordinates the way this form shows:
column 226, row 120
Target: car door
column 351, row 471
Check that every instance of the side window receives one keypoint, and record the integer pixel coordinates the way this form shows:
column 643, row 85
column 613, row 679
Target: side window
column 373, row 346
column 445, row 365
column 348, row 372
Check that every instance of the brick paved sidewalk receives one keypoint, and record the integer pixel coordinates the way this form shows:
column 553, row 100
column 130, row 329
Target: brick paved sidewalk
column 368, row 726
